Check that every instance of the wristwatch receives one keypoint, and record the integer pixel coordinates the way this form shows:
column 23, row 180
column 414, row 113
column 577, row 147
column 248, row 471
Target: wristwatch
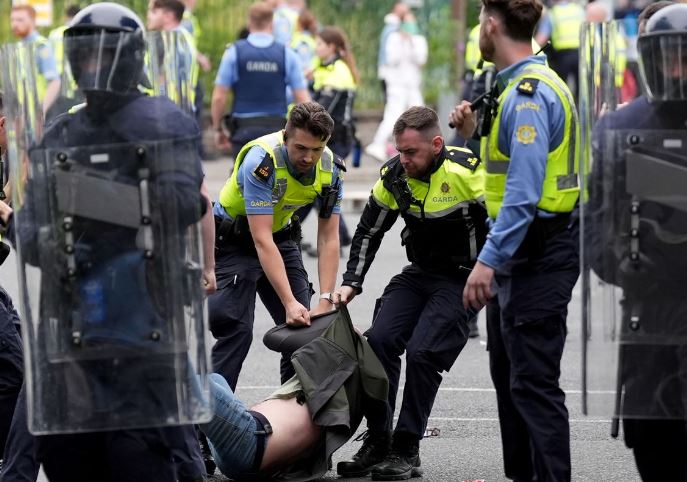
column 327, row 296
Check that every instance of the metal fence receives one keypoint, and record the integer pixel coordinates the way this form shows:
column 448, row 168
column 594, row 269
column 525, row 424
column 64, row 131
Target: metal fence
column 362, row 20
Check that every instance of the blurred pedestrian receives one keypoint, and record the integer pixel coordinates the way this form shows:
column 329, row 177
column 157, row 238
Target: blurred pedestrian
column 392, row 22
column 406, row 55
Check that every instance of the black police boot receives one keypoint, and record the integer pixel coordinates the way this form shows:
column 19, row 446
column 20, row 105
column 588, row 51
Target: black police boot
column 403, row 462
column 375, row 447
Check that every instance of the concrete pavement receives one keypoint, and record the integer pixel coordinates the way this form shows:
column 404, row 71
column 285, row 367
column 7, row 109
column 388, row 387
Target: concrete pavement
column 468, row 446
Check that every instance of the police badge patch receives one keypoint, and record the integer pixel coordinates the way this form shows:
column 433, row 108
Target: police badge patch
column 445, row 187
column 526, row 134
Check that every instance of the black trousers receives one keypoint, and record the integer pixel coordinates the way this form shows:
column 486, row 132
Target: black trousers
column 659, row 447
column 123, row 455
column 526, row 335
column 11, row 365
column 419, row 313
column 566, row 64
column 232, row 307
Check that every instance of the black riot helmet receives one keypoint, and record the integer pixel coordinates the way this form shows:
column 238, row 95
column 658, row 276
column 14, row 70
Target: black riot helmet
column 106, row 48
column 663, row 55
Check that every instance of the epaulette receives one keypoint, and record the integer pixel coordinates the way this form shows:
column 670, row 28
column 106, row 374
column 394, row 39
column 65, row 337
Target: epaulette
column 528, row 86
column 340, row 163
column 462, row 156
column 264, row 170
column 389, row 165
column 390, row 171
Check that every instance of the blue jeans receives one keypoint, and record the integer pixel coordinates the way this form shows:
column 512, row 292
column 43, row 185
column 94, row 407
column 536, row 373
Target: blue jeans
column 231, row 432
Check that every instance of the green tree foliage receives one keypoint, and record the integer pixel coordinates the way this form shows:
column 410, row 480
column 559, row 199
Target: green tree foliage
column 221, row 21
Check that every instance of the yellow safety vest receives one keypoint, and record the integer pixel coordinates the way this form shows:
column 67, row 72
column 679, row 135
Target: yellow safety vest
column 56, row 38
column 195, row 25
column 561, row 187
column 444, row 215
column 185, row 86
column 566, row 20
column 473, row 54
column 451, row 185
column 288, row 194
column 335, row 75
column 41, row 84
column 303, row 43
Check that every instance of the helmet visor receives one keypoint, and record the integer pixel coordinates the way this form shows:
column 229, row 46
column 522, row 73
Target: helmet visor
column 105, row 61
column 663, row 63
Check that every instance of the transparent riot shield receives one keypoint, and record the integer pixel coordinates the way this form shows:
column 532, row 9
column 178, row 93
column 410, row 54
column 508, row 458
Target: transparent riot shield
column 70, row 95
column 597, row 96
column 107, row 209
column 635, row 259
column 172, row 67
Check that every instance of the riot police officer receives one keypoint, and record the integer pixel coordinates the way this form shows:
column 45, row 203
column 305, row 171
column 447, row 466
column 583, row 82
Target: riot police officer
column 11, row 360
column 108, row 216
column 531, row 188
column 635, row 240
column 256, row 243
column 437, row 190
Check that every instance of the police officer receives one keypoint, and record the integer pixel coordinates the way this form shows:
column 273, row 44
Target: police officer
column 105, row 47
column 531, row 188
column 644, row 251
column 257, row 238
column 166, row 16
column 438, row 191
column 561, row 25
column 257, row 70
column 23, row 24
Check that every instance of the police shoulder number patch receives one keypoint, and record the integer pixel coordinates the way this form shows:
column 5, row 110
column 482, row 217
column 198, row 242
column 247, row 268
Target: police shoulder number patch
column 264, row 169
column 528, row 86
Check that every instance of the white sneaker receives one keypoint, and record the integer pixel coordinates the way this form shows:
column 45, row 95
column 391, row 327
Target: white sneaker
column 376, row 152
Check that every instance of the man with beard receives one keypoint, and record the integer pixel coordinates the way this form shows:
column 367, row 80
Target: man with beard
column 530, row 259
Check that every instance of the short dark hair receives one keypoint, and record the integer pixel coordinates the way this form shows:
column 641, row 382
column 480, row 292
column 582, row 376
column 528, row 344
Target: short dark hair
column 311, row 117
column 421, row 119
column 519, row 17
column 72, row 10
column 174, row 6
column 651, row 9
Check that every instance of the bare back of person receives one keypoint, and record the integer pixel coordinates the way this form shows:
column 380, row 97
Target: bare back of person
column 293, row 432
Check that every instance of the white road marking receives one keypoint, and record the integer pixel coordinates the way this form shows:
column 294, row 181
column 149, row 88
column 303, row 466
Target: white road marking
column 448, row 389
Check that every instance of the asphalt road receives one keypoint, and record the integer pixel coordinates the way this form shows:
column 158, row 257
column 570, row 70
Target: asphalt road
column 468, row 446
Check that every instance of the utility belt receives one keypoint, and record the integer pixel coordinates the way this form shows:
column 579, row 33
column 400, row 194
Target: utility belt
column 433, row 259
column 236, row 232
column 541, row 230
column 241, row 127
